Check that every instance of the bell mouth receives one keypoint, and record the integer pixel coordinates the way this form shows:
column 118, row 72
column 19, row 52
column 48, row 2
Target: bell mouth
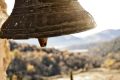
column 73, row 27
column 48, row 31
column 68, row 27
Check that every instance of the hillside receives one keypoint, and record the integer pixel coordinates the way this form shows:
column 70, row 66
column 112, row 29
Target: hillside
column 100, row 46
column 95, row 74
column 33, row 63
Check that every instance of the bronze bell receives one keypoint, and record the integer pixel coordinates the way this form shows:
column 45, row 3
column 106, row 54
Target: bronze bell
column 46, row 18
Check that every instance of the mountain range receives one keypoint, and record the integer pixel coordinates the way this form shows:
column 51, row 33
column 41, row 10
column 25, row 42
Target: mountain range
column 96, row 39
column 72, row 42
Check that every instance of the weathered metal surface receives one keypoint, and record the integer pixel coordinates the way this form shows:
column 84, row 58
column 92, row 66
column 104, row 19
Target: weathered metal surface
column 46, row 18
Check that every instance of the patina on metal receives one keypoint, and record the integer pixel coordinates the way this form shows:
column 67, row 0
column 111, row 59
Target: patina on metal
column 46, row 18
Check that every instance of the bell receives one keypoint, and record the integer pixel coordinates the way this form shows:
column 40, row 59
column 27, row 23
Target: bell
column 46, row 18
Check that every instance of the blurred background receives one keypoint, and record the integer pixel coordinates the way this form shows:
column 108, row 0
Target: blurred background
column 90, row 55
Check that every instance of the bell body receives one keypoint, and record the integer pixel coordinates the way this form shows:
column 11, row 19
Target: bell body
column 46, row 18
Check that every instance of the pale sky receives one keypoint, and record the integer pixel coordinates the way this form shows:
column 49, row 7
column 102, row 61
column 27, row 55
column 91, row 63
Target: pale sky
column 105, row 12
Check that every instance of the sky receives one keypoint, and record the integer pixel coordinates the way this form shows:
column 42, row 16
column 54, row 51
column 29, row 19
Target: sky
column 105, row 12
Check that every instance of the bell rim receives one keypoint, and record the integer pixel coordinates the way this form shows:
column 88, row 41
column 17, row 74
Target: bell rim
column 46, row 34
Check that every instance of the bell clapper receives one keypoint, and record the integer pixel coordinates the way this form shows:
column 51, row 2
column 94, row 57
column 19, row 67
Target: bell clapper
column 42, row 41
